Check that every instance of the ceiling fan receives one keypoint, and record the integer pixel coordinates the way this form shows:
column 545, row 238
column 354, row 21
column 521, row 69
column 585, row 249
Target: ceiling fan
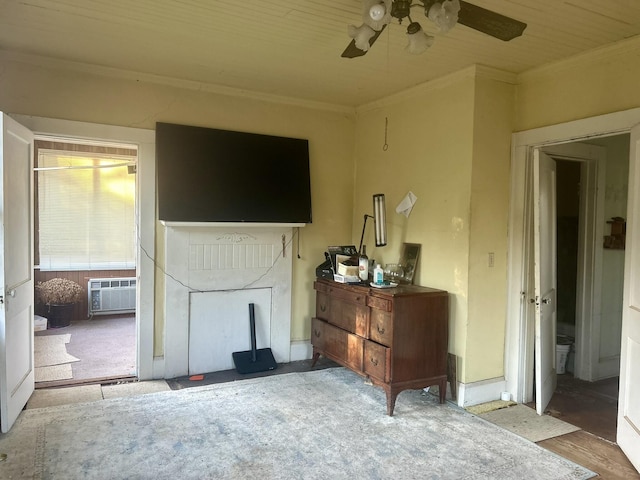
column 377, row 14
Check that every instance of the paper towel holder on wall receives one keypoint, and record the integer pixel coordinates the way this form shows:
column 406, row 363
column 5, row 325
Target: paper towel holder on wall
column 379, row 219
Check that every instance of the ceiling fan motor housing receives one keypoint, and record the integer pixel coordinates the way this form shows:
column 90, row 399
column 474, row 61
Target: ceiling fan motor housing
column 400, row 9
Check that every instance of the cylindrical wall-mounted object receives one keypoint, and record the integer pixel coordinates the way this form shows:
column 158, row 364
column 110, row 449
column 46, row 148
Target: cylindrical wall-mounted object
column 380, row 219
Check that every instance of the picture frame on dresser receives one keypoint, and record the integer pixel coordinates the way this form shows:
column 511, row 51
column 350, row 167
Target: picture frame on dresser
column 409, row 256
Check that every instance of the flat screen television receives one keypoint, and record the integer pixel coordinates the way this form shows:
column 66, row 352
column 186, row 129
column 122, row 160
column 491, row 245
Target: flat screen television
column 211, row 175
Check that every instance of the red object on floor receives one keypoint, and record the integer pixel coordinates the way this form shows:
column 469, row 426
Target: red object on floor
column 194, row 378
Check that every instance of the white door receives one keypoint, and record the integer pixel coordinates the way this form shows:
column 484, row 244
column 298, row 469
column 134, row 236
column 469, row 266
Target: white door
column 16, row 271
column 629, row 400
column 544, row 201
column 589, row 344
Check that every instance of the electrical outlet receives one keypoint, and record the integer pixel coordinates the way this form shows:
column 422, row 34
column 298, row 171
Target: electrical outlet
column 491, row 259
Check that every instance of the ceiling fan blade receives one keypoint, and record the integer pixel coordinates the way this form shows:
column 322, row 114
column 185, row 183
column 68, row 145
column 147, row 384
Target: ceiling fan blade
column 491, row 23
column 352, row 51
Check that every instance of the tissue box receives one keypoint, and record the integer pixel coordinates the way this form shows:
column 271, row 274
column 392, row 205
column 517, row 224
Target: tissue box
column 345, row 279
column 347, row 270
column 39, row 323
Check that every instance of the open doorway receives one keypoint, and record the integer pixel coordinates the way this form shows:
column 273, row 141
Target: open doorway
column 519, row 355
column 85, row 233
column 591, row 204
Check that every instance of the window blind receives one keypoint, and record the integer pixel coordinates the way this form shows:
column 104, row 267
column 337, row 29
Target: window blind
column 86, row 207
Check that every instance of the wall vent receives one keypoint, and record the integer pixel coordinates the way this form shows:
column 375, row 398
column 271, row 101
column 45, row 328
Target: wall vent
column 111, row 295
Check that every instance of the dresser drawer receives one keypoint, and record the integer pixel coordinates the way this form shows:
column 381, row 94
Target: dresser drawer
column 381, row 329
column 323, row 306
column 377, row 361
column 337, row 343
column 380, row 303
column 318, row 333
column 350, row 316
column 345, row 292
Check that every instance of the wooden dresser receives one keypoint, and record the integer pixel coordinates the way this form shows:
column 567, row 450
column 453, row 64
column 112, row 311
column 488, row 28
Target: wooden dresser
column 396, row 337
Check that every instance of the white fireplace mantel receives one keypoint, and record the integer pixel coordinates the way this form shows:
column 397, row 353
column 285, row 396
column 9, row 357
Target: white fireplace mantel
column 207, row 260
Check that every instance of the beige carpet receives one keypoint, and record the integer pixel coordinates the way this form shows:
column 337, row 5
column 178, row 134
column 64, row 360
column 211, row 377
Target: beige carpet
column 311, row 425
column 524, row 421
column 51, row 360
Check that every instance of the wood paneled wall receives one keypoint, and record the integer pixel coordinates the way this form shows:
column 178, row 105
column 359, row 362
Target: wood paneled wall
column 81, row 277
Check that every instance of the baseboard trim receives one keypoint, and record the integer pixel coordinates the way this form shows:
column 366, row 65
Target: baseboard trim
column 475, row 393
column 301, row 350
column 158, row 369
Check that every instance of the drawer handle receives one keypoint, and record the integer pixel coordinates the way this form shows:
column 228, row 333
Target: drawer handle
column 357, row 299
column 380, row 330
column 316, row 333
column 374, row 361
column 323, row 308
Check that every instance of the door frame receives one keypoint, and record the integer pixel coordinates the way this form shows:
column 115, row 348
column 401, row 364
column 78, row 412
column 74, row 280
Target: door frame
column 518, row 374
column 148, row 367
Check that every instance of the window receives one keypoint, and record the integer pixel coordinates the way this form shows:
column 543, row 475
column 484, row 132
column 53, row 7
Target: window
column 85, row 207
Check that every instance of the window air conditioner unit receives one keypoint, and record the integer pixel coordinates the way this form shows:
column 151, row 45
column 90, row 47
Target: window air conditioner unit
column 111, row 295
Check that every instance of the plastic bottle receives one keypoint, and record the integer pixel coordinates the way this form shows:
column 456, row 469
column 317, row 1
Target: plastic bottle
column 378, row 275
column 363, row 265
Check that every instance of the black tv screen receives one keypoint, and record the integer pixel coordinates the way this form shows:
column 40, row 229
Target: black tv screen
column 211, row 175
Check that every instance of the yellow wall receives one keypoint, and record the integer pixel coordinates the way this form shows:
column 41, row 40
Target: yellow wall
column 448, row 143
column 73, row 94
column 494, row 105
column 429, row 137
column 595, row 83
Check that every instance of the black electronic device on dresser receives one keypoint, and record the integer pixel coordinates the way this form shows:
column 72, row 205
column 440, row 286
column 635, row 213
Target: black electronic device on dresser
column 330, row 266
column 325, row 269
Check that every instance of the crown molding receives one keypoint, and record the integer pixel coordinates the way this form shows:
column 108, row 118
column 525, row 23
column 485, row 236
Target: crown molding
column 607, row 52
column 474, row 71
column 98, row 70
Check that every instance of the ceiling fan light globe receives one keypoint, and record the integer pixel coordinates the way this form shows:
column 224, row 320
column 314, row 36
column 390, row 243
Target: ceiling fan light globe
column 445, row 14
column 361, row 35
column 376, row 13
column 418, row 40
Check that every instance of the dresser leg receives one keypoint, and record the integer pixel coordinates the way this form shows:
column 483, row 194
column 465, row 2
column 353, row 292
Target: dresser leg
column 316, row 356
column 391, row 401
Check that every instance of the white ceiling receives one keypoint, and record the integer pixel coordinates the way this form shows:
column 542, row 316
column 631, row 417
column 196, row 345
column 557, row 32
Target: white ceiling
column 292, row 47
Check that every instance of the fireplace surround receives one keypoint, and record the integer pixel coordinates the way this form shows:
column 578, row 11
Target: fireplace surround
column 211, row 273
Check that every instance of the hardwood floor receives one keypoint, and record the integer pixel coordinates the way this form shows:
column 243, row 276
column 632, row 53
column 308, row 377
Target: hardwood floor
column 593, row 407
column 595, row 453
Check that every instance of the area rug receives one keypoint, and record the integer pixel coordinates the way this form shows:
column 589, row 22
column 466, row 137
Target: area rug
column 524, row 421
column 313, row 425
column 490, row 406
column 51, row 359
column 52, row 373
